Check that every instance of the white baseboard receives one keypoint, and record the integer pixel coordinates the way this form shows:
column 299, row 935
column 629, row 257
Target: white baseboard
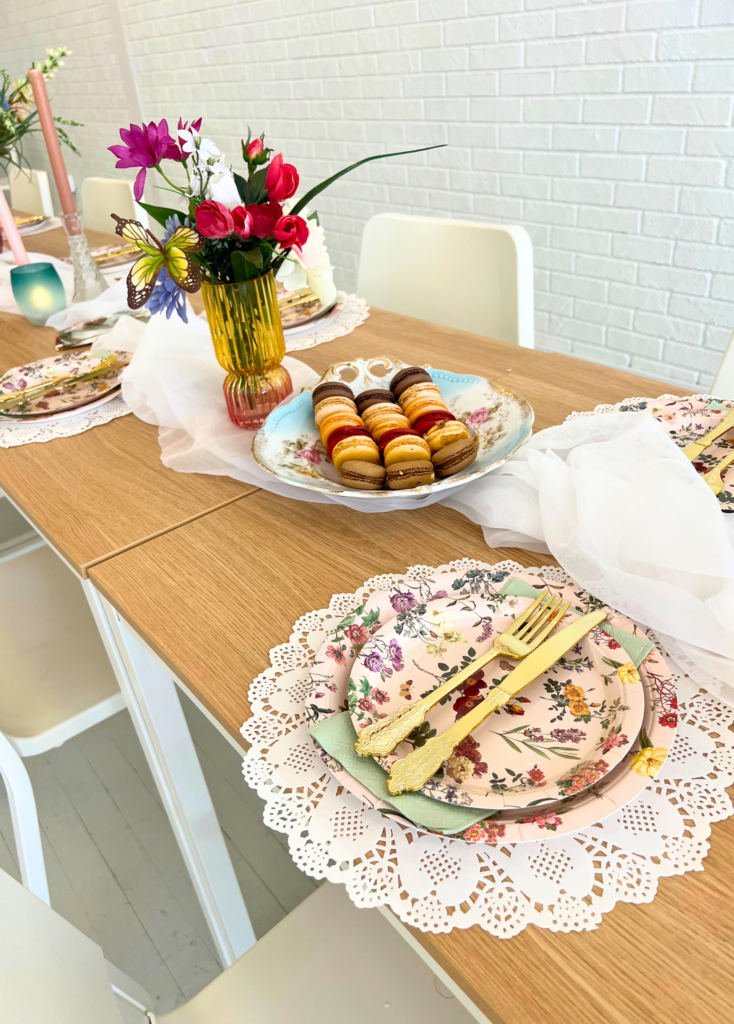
column 29, row 746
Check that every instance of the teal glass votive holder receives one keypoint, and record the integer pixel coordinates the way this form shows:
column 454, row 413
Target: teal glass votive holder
column 38, row 290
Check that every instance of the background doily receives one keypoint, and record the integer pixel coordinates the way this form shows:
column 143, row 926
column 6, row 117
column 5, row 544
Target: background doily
column 438, row 883
column 14, row 434
column 354, row 312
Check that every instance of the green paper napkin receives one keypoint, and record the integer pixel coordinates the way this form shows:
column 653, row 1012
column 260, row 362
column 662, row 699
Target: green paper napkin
column 713, row 406
column 337, row 735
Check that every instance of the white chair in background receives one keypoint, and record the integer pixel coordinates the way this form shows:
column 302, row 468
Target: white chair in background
column 326, row 962
column 30, row 191
column 464, row 274
column 723, row 386
column 102, row 197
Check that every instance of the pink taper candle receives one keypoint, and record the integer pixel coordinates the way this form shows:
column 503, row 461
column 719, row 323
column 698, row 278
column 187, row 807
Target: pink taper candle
column 52, row 140
column 10, row 230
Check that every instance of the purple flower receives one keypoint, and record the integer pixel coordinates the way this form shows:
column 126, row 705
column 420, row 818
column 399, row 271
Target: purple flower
column 568, row 735
column 167, row 297
column 439, row 595
column 534, row 733
column 373, row 662
column 403, row 602
column 145, row 146
column 396, row 655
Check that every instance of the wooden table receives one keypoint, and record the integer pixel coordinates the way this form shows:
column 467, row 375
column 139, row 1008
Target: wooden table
column 222, row 591
column 103, row 491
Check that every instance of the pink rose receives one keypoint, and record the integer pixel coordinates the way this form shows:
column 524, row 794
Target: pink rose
column 477, row 417
column 254, row 149
column 242, row 221
column 214, row 220
column 264, row 218
column 281, row 180
column 291, row 230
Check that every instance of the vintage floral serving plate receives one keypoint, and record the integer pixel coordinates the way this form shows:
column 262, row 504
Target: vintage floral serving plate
column 643, row 756
column 58, row 404
column 288, row 445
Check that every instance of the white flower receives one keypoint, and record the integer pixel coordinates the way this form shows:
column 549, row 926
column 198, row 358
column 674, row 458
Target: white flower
column 222, row 187
column 309, row 266
column 192, row 142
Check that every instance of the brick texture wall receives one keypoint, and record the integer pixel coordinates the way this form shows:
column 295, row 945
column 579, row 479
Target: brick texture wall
column 605, row 128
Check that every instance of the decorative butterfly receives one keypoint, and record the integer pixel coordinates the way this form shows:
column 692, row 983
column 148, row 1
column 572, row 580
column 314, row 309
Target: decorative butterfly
column 173, row 255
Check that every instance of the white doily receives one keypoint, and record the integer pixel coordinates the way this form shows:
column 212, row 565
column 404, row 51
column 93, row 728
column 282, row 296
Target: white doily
column 353, row 313
column 632, row 402
column 14, row 434
column 438, row 883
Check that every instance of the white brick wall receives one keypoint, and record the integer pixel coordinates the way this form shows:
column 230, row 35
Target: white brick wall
column 603, row 127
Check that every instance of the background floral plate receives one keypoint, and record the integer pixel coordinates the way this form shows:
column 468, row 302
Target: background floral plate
column 578, row 717
column 289, row 446
column 333, row 664
column 70, row 399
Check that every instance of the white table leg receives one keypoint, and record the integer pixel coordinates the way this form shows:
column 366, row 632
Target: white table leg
column 155, row 709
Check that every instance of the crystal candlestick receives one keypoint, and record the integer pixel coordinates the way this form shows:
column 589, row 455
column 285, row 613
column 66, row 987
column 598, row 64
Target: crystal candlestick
column 88, row 279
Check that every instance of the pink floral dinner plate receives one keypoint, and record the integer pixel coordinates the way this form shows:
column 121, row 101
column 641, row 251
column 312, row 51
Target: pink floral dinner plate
column 641, row 762
column 578, row 717
column 69, row 400
column 687, row 419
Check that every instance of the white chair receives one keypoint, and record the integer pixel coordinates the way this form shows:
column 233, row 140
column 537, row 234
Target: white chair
column 475, row 277
column 326, row 962
column 30, row 191
column 723, row 386
column 102, row 197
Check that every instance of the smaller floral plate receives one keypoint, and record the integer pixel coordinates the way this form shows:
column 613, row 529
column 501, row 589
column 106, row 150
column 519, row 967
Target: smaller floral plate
column 68, row 401
column 289, row 445
column 306, row 317
column 579, row 716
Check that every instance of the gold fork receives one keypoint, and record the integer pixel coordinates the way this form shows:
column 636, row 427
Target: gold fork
column 713, row 477
column 15, row 398
column 518, row 640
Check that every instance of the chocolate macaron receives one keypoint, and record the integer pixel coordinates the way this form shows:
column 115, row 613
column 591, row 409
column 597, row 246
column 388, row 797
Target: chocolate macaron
column 331, row 389
column 402, row 475
column 365, row 476
column 373, row 397
column 455, row 457
column 407, row 377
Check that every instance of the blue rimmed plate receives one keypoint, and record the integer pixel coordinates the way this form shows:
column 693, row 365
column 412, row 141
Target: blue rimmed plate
column 289, row 446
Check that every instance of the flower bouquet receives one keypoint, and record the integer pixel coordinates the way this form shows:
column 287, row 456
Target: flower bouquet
column 236, row 234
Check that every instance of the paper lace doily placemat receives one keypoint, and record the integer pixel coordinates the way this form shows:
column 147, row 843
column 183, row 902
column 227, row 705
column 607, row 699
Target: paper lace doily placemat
column 14, row 434
column 438, row 883
column 353, row 313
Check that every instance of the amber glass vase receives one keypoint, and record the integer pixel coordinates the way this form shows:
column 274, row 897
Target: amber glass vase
column 247, row 332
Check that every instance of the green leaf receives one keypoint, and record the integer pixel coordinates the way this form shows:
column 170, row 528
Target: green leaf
column 317, row 189
column 161, row 213
column 536, row 750
column 257, row 185
column 514, row 746
column 244, row 267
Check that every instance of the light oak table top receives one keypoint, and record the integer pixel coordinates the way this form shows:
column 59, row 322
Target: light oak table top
column 101, row 491
column 220, row 592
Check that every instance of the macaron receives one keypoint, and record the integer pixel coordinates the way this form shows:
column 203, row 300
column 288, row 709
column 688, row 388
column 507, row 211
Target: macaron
column 388, row 421
column 424, row 387
column 340, row 433
column 444, row 434
column 380, row 409
column 368, row 398
column 456, row 456
column 354, row 449
column 406, row 377
column 365, row 476
column 331, row 389
column 424, row 423
column 409, row 474
column 327, row 406
column 336, row 420
column 390, row 435
column 406, row 448
column 421, row 406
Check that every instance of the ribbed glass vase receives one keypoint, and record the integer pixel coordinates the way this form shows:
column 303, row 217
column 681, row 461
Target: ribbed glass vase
column 247, row 332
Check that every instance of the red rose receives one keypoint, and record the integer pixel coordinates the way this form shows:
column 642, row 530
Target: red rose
column 671, row 720
column 264, row 218
column 214, row 220
column 291, row 230
column 242, row 221
column 255, row 148
column 281, row 180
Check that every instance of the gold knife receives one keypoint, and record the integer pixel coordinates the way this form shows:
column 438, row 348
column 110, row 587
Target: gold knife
column 15, row 398
column 415, row 769
column 696, row 448
column 713, row 477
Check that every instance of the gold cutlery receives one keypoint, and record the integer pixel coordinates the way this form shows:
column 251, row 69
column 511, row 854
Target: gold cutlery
column 16, row 398
column 523, row 636
column 696, row 448
column 24, row 222
column 713, row 477
column 415, row 769
column 84, row 333
column 113, row 254
column 302, row 298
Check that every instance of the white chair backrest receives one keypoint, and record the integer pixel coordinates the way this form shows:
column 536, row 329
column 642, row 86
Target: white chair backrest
column 49, row 971
column 30, row 191
column 25, row 821
column 723, row 386
column 102, row 197
column 472, row 276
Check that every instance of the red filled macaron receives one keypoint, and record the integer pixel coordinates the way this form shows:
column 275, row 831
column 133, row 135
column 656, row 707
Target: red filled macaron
column 390, row 435
column 340, row 433
column 424, row 423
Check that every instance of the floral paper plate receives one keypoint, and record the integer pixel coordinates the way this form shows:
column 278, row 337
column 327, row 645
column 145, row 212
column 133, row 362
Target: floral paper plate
column 65, row 402
column 303, row 318
column 289, row 446
column 577, row 718
column 643, row 759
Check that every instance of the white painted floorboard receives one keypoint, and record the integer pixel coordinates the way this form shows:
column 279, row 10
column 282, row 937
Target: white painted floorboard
column 114, row 868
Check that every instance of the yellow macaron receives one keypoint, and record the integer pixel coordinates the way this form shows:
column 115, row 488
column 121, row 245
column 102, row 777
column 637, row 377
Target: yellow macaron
column 445, row 433
column 406, row 448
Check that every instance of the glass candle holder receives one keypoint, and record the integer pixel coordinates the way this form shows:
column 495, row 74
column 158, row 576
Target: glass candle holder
column 88, row 279
column 38, row 290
